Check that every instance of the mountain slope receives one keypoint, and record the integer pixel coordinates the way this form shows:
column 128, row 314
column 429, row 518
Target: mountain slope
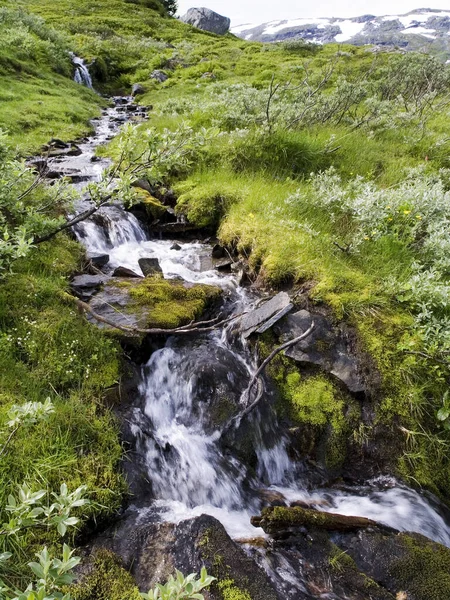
column 421, row 28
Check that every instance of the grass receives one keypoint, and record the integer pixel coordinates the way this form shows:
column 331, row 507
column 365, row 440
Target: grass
column 48, row 350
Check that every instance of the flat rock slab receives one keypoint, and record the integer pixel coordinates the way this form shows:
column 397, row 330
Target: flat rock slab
column 326, row 347
column 277, row 306
column 85, row 286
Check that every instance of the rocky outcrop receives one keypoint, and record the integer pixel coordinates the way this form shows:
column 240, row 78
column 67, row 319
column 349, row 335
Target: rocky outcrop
column 208, row 20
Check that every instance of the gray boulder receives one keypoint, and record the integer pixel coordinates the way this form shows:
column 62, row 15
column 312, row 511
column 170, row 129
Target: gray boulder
column 150, row 266
column 208, row 20
column 137, row 89
column 159, row 76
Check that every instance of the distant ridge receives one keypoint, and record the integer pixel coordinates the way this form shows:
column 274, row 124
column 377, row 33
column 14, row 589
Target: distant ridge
column 419, row 29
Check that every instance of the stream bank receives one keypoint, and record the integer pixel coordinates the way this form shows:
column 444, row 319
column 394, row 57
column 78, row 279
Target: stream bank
column 177, row 464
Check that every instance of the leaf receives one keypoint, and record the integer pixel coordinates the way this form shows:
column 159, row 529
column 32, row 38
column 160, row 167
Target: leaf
column 443, row 413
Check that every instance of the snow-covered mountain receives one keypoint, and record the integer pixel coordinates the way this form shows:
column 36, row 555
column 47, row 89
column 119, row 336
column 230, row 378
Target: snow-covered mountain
column 414, row 30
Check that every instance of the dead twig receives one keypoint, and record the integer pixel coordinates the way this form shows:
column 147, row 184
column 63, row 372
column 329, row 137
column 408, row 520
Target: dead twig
column 257, row 379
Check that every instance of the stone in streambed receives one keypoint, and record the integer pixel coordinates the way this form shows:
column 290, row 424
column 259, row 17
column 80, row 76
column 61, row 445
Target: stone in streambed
column 150, row 302
column 125, row 272
column 85, row 286
column 150, row 266
column 256, row 318
column 98, row 260
column 175, row 246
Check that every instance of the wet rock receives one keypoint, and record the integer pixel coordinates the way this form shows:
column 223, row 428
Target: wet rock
column 152, row 551
column 218, row 251
column 125, row 272
column 223, row 264
column 85, row 286
column 171, row 228
column 208, row 20
column 175, row 246
column 159, row 76
column 272, row 310
column 98, row 260
column 217, row 378
column 137, row 89
column 325, row 347
column 150, row 266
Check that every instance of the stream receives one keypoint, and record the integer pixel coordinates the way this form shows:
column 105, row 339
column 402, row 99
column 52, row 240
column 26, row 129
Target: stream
column 190, row 471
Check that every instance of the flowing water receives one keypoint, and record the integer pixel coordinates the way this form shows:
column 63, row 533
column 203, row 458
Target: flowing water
column 82, row 75
column 190, row 470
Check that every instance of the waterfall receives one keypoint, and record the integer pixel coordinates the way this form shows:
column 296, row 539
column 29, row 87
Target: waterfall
column 82, row 75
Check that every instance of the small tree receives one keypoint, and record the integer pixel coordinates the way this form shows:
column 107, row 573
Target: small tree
column 171, row 7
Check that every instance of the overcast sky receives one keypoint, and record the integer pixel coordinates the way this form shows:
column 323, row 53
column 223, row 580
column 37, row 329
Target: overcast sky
column 251, row 11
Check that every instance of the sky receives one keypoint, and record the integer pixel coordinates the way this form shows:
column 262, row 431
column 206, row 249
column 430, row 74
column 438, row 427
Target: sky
column 261, row 11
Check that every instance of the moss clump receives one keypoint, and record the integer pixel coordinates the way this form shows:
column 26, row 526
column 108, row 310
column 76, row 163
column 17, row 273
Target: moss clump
column 314, row 400
column 171, row 303
column 230, row 591
column 206, row 203
column 424, row 571
column 106, row 580
column 152, row 205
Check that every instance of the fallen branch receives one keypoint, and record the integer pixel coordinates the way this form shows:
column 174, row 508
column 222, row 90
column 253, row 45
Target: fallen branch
column 193, row 327
column 257, row 379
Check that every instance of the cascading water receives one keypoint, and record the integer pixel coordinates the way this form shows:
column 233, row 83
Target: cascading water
column 191, row 471
column 82, row 75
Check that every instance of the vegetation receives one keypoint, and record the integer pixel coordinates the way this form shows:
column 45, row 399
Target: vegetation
column 327, row 166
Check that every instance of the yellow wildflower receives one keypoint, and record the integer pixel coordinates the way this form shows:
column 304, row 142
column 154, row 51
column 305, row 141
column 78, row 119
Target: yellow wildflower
column 406, row 212
column 418, row 217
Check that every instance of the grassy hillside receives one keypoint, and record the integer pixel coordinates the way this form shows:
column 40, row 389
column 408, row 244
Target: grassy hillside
column 327, row 168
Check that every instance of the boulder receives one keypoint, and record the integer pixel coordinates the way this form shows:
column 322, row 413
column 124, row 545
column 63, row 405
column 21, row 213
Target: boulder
column 152, row 551
column 150, row 266
column 125, row 272
column 98, row 260
column 326, row 347
column 137, row 89
column 175, row 246
column 159, row 76
column 208, row 20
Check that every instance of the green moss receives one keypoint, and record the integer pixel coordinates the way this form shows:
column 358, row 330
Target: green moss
column 230, row 591
column 106, row 580
column 205, row 204
column 171, row 303
column 424, row 572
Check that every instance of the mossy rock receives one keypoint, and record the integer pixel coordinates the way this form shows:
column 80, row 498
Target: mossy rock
column 150, row 303
column 105, row 579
